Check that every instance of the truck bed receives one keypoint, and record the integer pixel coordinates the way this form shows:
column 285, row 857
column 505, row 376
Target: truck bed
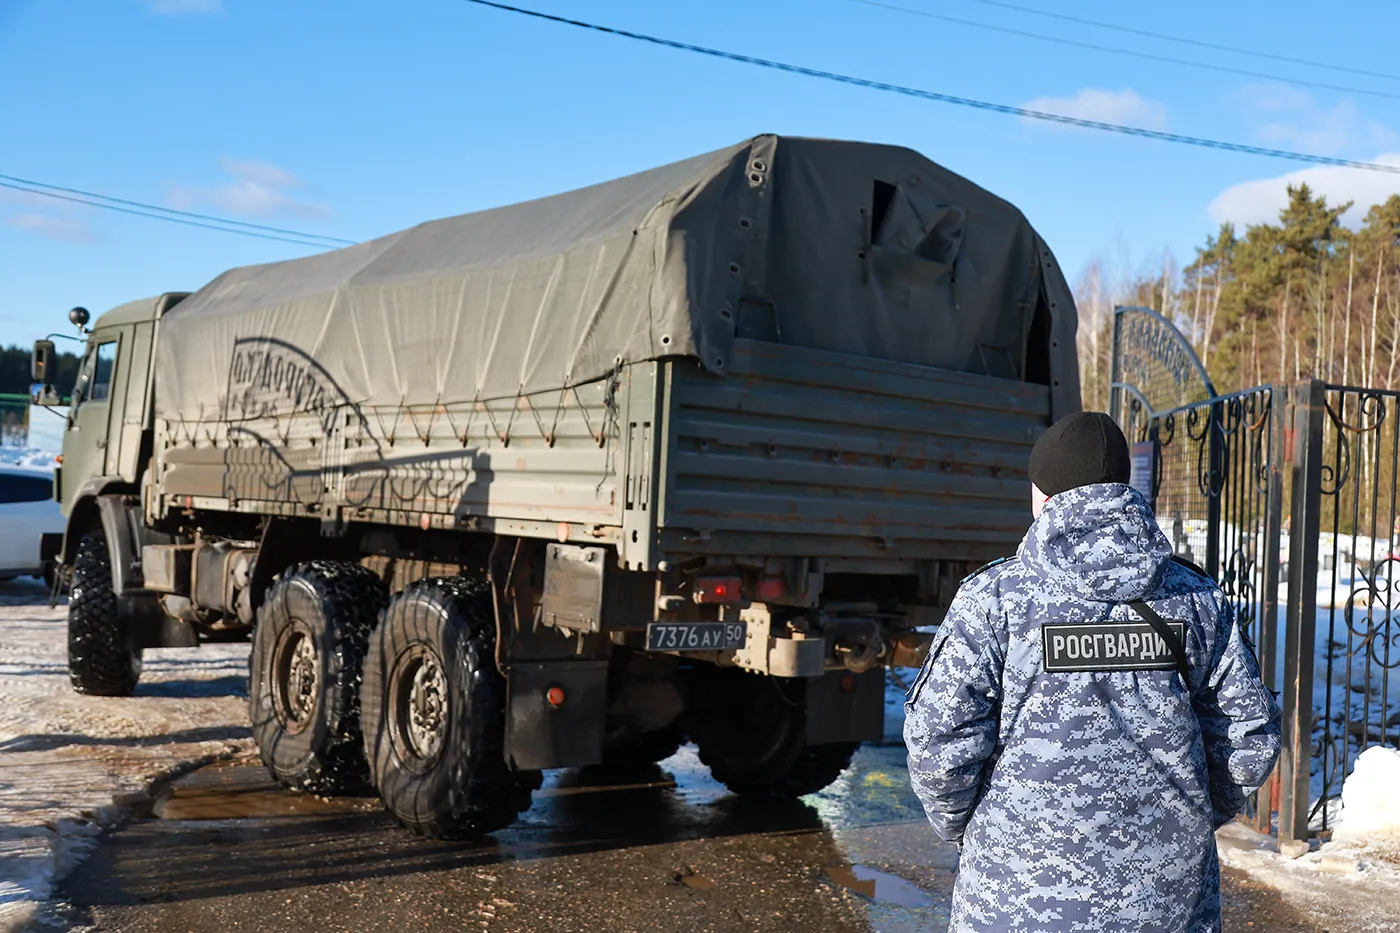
column 810, row 453
column 796, row 453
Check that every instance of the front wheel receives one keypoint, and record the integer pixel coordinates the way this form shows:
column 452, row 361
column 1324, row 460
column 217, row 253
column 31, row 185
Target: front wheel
column 304, row 684
column 751, row 732
column 101, row 658
column 435, row 713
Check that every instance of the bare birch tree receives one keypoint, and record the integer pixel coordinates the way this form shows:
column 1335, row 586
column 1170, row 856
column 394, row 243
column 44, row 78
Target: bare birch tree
column 1346, row 339
column 1375, row 305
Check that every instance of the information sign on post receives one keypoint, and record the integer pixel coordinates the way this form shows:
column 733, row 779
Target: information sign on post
column 1144, row 459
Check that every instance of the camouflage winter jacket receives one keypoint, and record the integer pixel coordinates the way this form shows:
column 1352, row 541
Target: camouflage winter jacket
column 1081, row 776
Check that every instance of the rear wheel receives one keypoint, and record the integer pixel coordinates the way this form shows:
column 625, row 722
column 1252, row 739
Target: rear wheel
column 434, row 713
column 101, row 658
column 303, row 695
column 751, row 732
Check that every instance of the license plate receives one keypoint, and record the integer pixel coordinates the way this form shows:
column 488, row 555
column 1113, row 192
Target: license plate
column 696, row 636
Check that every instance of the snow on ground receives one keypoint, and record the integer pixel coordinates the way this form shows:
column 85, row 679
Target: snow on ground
column 1349, row 885
column 70, row 763
column 27, row 457
column 1354, row 878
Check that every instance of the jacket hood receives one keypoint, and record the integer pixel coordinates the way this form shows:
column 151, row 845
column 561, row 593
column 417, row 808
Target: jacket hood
column 1100, row 542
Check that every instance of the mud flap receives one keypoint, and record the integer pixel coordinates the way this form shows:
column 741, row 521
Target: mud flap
column 541, row 735
column 126, row 534
column 846, row 707
column 150, row 627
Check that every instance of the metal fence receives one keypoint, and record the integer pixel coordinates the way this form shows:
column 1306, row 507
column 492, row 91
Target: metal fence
column 1275, row 487
column 1217, row 490
column 1343, row 652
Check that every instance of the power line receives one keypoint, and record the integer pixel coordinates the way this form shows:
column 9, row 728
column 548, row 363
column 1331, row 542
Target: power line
column 304, row 240
column 1117, row 50
column 1184, row 40
column 170, row 210
column 952, row 99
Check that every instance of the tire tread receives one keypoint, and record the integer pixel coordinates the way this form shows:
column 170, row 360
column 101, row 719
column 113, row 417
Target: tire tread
column 100, row 659
column 351, row 597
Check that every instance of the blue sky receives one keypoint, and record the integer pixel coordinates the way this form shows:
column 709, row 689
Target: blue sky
column 356, row 118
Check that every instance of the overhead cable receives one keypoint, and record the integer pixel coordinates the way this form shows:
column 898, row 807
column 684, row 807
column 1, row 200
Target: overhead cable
column 1008, row 109
column 156, row 212
column 1185, row 40
column 1132, row 53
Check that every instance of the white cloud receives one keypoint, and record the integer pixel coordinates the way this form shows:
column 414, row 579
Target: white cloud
column 47, row 216
column 256, row 189
column 170, row 7
column 1287, row 117
column 1259, row 201
column 28, row 198
column 59, row 228
column 1125, row 107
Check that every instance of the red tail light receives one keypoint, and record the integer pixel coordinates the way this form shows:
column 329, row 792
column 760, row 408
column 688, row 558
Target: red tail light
column 718, row 590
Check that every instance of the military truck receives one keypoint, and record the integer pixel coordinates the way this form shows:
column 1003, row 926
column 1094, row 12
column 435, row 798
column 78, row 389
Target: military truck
column 692, row 454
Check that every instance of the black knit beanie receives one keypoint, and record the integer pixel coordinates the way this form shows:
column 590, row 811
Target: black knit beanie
column 1079, row 450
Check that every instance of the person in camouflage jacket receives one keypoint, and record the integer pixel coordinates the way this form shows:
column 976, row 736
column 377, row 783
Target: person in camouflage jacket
column 1052, row 733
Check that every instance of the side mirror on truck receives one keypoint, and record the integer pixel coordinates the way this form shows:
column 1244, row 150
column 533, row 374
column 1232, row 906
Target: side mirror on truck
column 42, row 392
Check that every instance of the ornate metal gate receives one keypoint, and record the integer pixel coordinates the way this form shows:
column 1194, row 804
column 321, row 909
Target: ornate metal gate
column 1212, row 467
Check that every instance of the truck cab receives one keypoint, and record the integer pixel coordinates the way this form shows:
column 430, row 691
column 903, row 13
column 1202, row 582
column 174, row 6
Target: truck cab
column 107, row 439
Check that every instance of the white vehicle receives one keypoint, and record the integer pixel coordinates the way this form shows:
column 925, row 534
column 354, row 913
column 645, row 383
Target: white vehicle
column 31, row 525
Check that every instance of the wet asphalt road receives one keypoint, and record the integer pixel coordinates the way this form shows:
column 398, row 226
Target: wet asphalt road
column 662, row 849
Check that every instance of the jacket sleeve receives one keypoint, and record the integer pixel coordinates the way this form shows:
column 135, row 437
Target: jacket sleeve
column 950, row 725
column 1240, row 721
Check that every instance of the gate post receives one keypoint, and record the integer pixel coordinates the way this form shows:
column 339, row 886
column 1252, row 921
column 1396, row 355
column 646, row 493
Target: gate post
column 1267, row 644
column 1279, row 434
column 1115, row 394
column 1295, row 763
column 1215, row 485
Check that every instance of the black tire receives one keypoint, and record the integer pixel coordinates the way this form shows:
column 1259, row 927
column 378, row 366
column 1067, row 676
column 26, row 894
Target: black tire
column 101, row 659
column 432, row 657
column 648, row 748
column 304, row 675
column 751, row 732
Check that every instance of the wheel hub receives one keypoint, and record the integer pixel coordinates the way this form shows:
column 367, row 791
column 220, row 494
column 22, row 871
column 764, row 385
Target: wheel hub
column 297, row 679
column 419, row 710
column 427, row 709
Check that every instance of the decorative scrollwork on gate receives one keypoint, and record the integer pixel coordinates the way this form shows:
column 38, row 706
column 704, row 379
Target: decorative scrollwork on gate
column 1379, row 637
column 1201, row 421
column 1371, row 416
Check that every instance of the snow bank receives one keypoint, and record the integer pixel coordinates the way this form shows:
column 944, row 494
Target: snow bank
column 1371, row 796
column 72, row 764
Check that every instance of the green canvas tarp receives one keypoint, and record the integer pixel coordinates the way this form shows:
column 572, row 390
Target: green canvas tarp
column 858, row 248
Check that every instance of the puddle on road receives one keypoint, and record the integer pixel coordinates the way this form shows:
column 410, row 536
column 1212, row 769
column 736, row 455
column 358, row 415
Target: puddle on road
column 880, row 886
column 564, row 791
column 238, row 791
column 690, row 879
